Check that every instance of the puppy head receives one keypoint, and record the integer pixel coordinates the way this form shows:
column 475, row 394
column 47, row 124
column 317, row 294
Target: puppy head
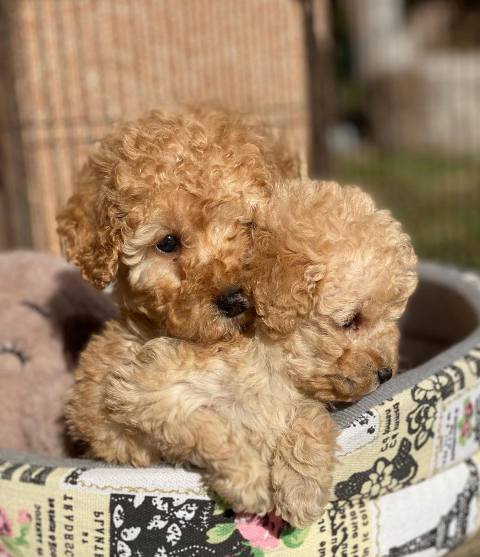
column 163, row 209
column 331, row 278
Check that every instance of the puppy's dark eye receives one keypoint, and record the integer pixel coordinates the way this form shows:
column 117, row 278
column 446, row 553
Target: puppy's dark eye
column 353, row 323
column 168, row 244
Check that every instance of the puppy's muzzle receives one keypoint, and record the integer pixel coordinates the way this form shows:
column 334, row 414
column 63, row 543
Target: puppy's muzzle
column 232, row 302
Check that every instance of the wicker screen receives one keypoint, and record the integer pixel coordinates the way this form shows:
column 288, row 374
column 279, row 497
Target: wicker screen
column 72, row 67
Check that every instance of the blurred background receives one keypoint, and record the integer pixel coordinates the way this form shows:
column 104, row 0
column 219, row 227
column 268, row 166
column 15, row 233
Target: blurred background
column 382, row 93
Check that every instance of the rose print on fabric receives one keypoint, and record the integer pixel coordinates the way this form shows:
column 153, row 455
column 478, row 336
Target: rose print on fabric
column 24, row 517
column 466, row 423
column 165, row 526
column 263, row 533
column 13, row 537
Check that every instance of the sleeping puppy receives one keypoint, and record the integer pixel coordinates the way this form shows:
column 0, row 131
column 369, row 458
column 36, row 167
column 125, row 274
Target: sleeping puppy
column 335, row 276
column 323, row 278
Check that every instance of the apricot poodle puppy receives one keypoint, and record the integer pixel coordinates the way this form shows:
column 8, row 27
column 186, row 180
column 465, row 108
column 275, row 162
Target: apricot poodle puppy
column 163, row 209
column 241, row 309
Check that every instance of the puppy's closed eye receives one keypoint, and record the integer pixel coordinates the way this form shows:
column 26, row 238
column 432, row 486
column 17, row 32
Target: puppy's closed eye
column 353, row 323
column 168, row 243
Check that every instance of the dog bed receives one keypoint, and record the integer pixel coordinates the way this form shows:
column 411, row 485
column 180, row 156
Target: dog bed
column 406, row 482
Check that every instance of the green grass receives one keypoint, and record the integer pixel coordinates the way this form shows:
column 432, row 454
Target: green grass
column 436, row 197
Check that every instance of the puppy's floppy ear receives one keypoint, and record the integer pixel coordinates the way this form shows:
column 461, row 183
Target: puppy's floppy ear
column 89, row 226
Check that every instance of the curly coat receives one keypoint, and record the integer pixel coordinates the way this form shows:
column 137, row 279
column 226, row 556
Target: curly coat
column 199, row 173
column 328, row 276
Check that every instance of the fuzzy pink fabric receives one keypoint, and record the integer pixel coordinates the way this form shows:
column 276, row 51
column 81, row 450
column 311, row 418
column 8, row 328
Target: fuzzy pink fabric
column 47, row 315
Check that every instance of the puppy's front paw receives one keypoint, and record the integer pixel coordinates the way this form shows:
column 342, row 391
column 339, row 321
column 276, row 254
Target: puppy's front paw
column 302, row 466
column 298, row 499
column 245, row 491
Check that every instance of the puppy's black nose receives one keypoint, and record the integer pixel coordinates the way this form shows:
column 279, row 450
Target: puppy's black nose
column 232, row 302
column 384, row 374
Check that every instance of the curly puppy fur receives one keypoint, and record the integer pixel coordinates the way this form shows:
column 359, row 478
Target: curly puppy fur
column 197, row 173
column 332, row 278
column 241, row 402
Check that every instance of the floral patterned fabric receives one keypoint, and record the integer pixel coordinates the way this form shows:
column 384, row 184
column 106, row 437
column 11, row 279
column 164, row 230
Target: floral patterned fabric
column 14, row 536
column 412, row 460
column 421, row 445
